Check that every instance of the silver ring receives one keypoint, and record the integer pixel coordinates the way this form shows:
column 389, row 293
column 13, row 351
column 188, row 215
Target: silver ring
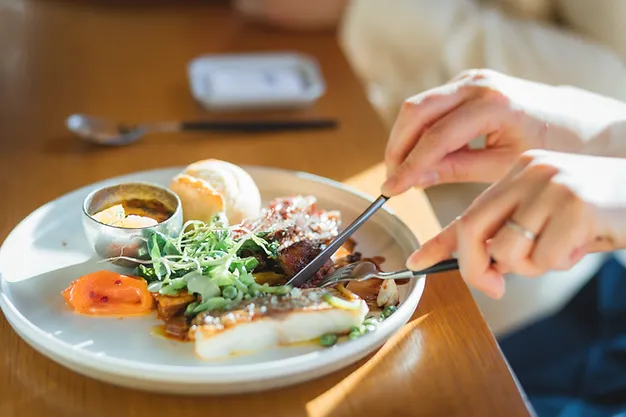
column 525, row 232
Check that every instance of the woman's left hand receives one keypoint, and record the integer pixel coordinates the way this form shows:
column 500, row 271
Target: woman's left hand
column 548, row 212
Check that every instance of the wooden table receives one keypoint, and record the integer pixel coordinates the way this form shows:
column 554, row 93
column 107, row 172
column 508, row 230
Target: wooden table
column 129, row 62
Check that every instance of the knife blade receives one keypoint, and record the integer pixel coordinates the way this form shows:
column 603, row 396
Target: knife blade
column 312, row 267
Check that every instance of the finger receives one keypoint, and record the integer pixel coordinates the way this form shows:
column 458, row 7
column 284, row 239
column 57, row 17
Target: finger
column 477, row 271
column 473, row 232
column 444, row 244
column 453, row 131
column 416, row 114
column 503, row 184
column 475, row 165
column 480, row 224
column 501, row 268
column 564, row 232
column 437, row 249
column 510, row 248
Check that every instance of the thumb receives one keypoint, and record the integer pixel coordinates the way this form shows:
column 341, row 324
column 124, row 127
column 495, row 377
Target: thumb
column 474, row 165
column 434, row 250
column 450, row 135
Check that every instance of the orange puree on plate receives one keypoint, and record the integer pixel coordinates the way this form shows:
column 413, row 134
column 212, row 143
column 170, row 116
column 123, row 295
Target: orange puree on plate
column 109, row 293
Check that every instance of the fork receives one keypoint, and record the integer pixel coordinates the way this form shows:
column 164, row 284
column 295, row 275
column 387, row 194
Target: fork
column 362, row 271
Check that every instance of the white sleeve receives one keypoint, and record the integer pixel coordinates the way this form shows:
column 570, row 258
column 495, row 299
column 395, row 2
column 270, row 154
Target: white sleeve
column 402, row 47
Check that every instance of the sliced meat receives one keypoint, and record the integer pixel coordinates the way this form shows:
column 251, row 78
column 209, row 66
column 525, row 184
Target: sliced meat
column 294, row 258
column 300, row 230
column 327, row 269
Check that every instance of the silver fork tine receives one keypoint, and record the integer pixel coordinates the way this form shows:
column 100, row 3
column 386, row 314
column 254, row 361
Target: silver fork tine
column 348, row 272
column 340, row 275
column 329, row 279
column 333, row 279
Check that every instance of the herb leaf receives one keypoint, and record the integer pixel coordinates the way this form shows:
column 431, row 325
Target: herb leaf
column 199, row 284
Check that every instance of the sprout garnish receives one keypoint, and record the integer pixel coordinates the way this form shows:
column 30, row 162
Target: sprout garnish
column 205, row 259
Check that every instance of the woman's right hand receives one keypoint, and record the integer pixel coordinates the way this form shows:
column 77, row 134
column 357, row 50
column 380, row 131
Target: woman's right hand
column 429, row 143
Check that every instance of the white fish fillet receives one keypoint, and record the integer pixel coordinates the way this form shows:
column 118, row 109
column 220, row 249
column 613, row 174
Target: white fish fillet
column 273, row 321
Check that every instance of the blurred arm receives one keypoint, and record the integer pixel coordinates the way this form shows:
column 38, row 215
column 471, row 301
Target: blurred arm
column 403, row 47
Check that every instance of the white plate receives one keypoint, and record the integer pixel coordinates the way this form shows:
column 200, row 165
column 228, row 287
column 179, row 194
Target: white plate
column 48, row 249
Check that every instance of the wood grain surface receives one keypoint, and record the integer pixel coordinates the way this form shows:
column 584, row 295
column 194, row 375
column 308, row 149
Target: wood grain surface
column 127, row 61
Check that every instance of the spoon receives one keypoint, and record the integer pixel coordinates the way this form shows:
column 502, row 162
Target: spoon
column 107, row 132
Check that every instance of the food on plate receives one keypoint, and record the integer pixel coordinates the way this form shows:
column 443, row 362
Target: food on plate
column 169, row 306
column 209, row 187
column 136, row 222
column 213, row 268
column 269, row 277
column 109, row 293
column 384, row 292
column 221, row 283
column 207, row 261
column 273, row 321
column 388, row 295
column 200, row 200
column 111, row 215
column 298, row 229
column 134, row 213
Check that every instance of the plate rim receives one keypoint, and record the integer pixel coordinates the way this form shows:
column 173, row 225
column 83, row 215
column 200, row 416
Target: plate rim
column 190, row 374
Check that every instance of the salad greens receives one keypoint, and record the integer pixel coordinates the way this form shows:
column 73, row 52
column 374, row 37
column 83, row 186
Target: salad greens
column 205, row 259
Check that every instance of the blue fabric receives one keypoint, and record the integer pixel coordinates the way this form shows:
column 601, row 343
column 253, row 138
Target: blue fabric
column 573, row 364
